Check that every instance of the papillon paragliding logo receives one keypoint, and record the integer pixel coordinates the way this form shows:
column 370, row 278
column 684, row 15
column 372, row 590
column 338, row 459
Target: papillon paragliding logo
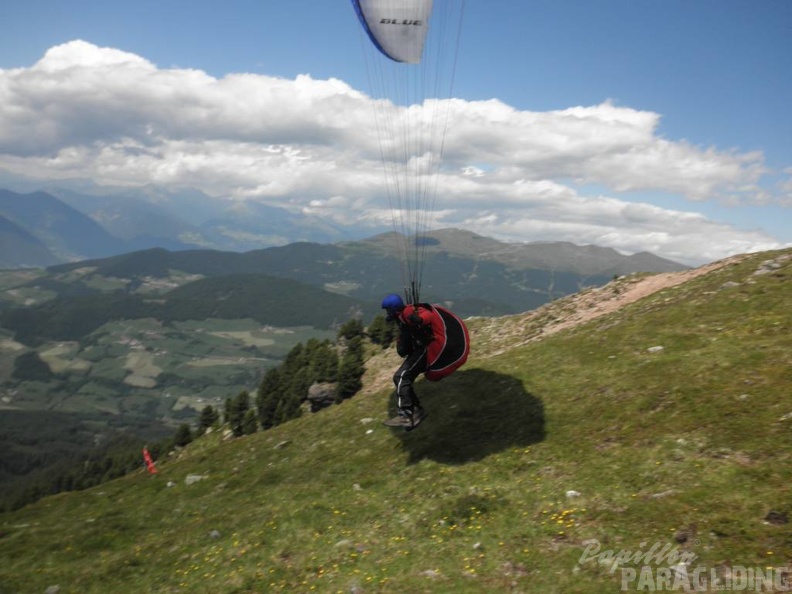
column 411, row 48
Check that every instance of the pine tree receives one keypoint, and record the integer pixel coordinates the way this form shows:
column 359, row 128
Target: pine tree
column 249, row 423
column 351, row 370
column 183, row 435
column 324, row 363
column 295, row 393
column 351, row 329
column 227, row 410
column 267, row 397
column 296, row 378
column 235, row 411
column 382, row 332
column 209, row 417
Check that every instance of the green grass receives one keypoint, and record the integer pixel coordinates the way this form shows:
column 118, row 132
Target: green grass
column 690, row 446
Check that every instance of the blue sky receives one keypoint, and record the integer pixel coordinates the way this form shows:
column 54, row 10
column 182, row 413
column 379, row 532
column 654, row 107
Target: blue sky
column 714, row 74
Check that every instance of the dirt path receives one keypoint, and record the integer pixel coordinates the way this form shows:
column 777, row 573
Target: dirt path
column 500, row 334
column 604, row 300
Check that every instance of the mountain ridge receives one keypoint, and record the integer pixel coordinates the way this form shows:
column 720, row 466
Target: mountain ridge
column 557, row 256
column 475, row 281
column 67, row 232
column 77, row 227
column 21, row 249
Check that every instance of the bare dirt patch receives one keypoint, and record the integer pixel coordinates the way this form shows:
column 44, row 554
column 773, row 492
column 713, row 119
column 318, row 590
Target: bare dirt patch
column 497, row 335
column 604, row 300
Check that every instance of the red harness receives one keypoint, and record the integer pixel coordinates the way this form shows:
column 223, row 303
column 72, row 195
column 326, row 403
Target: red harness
column 450, row 345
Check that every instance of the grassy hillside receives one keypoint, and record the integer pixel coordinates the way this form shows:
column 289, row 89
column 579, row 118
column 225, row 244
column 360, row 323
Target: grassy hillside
column 667, row 422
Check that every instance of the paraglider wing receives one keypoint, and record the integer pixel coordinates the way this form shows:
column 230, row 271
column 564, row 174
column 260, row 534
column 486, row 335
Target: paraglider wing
column 397, row 27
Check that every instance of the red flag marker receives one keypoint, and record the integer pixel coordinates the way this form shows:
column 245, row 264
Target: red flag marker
column 149, row 462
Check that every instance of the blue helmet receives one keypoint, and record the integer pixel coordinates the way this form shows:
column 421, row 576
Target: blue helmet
column 393, row 304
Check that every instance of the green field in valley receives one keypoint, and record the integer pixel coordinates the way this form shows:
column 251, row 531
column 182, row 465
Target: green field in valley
column 147, row 367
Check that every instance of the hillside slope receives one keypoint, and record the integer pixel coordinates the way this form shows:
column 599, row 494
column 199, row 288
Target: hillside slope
column 664, row 424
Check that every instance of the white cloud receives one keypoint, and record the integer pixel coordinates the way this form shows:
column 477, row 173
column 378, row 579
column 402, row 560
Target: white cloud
column 85, row 112
column 785, row 187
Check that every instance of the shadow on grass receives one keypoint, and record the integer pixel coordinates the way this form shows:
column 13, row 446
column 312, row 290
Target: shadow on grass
column 472, row 414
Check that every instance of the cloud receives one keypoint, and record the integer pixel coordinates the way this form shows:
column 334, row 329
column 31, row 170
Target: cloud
column 87, row 112
column 785, row 187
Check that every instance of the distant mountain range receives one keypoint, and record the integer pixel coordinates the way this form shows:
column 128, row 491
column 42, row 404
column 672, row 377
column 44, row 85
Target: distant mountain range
column 66, row 233
column 21, row 249
column 40, row 229
column 478, row 276
column 75, row 226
